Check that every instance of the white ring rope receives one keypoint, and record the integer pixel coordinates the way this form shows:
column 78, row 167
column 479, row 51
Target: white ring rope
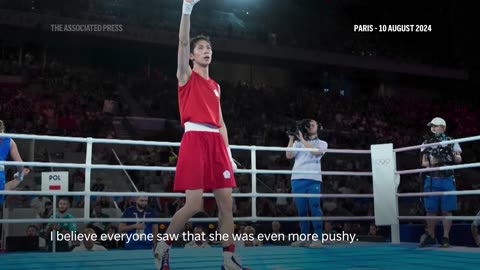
column 438, row 193
column 155, row 143
column 160, row 168
column 167, row 220
column 443, row 168
column 422, row 218
column 253, row 171
column 467, row 139
column 178, row 195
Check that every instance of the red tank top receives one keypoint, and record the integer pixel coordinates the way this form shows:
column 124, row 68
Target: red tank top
column 199, row 101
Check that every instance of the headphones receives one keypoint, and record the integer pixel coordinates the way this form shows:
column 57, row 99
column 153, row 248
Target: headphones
column 319, row 127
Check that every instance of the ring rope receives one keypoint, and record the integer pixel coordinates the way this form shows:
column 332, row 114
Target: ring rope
column 252, row 195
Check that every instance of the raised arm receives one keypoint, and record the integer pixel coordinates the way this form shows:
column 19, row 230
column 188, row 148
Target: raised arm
column 290, row 154
column 183, row 69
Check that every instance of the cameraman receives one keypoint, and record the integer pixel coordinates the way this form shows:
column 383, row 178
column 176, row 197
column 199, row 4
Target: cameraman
column 307, row 183
column 437, row 156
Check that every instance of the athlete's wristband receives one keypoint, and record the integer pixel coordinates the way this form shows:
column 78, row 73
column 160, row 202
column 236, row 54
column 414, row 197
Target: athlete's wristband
column 188, row 6
column 18, row 176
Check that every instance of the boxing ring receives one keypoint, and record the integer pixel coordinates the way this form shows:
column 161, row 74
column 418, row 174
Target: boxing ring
column 358, row 255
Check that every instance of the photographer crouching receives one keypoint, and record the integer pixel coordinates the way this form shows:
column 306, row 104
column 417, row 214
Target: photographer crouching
column 305, row 135
column 444, row 180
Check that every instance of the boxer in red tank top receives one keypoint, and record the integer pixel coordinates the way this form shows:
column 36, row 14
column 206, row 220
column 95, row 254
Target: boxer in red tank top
column 205, row 163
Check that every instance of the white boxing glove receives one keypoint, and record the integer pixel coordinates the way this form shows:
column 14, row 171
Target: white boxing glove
column 18, row 176
column 234, row 165
column 188, row 6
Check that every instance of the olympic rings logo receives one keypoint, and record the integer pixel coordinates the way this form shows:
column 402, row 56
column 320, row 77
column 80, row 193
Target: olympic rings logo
column 383, row 162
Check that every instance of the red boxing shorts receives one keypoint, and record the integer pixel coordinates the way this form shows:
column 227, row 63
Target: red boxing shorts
column 203, row 160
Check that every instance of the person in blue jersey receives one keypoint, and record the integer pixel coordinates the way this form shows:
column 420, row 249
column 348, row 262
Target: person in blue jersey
column 144, row 230
column 8, row 147
column 307, row 183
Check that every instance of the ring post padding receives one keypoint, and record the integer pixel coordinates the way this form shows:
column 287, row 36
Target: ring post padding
column 384, row 185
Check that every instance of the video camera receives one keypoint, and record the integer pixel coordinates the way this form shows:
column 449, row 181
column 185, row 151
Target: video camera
column 444, row 154
column 302, row 126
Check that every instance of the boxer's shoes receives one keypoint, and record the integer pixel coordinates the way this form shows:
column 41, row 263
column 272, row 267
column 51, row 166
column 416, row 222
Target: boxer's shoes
column 161, row 252
column 231, row 262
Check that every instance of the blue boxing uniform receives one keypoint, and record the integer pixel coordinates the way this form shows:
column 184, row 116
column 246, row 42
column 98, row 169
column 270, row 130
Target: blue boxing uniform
column 4, row 152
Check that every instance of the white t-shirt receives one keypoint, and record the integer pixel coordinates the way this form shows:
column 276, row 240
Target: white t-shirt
column 307, row 161
column 94, row 248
